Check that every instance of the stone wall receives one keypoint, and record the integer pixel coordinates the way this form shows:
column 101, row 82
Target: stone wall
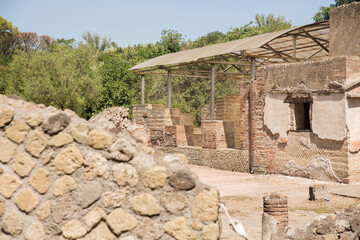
column 62, row 177
column 222, row 159
column 344, row 30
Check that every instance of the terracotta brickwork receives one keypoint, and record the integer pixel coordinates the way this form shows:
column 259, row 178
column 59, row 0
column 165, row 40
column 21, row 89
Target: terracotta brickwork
column 156, row 117
column 62, row 177
column 198, row 138
column 228, row 108
column 276, row 205
column 205, row 113
column 175, row 136
column 218, row 134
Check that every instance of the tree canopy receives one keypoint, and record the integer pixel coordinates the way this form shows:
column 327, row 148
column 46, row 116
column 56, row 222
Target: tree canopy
column 93, row 74
column 324, row 12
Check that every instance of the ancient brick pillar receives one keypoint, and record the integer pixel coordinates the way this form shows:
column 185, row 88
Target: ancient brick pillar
column 175, row 136
column 276, row 206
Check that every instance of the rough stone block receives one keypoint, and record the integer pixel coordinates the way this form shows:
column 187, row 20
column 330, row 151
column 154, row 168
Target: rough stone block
column 318, row 193
column 17, row 131
column 205, row 206
column 56, row 123
column 120, row 221
column 6, row 115
column 145, row 204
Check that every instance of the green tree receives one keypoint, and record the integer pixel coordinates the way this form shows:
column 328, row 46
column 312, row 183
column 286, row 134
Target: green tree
column 117, row 81
column 8, row 39
column 208, row 39
column 172, row 40
column 68, row 42
column 324, row 12
column 64, row 78
column 96, row 41
column 263, row 24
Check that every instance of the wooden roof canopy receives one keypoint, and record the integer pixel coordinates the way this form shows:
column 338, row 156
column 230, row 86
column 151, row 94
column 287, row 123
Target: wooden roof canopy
column 308, row 42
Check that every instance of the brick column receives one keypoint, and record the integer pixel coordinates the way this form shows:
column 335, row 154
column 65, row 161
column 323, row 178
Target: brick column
column 276, row 206
column 175, row 136
column 218, row 134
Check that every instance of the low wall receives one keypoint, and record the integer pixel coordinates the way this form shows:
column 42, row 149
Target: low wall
column 222, row 159
column 64, row 178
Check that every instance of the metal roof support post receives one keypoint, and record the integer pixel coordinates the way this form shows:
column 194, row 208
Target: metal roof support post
column 252, row 69
column 250, row 116
column 142, row 89
column 294, row 46
column 212, row 92
column 168, row 89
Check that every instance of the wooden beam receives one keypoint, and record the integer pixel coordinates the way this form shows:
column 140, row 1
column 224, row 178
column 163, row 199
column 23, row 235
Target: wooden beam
column 294, row 46
column 314, row 54
column 280, row 54
column 317, row 42
column 212, row 92
column 169, row 89
column 199, row 76
column 142, row 89
column 229, row 63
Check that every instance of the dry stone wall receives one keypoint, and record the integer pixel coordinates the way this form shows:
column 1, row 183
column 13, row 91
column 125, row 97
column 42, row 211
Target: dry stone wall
column 62, row 177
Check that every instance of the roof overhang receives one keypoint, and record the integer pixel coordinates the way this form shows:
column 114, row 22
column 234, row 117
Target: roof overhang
column 308, row 42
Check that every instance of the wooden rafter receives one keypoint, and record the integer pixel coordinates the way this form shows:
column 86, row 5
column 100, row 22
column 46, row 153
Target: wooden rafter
column 315, row 40
column 280, row 54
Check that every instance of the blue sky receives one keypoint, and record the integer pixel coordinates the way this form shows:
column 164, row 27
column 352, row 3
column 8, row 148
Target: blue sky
column 141, row 21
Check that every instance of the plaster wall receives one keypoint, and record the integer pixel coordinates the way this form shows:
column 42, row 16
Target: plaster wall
column 328, row 116
column 277, row 115
column 352, row 121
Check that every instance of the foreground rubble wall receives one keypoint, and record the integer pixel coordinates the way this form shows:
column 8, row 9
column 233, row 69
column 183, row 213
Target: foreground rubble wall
column 62, row 177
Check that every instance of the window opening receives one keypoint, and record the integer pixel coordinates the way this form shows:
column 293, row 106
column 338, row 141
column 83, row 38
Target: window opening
column 302, row 116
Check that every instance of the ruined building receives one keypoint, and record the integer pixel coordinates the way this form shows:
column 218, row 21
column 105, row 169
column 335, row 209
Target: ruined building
column 298, row 115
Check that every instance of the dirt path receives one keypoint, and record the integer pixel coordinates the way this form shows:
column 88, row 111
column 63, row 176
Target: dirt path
column 243, row 195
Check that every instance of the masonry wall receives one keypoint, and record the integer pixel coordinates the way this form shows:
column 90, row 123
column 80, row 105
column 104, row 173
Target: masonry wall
column 62, row 177
column 228, row 108
column 222, row 159
column 344, row 30
column 301, row 152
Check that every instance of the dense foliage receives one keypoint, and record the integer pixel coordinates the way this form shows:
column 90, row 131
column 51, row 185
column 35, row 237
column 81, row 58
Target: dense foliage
column 64, row 78
column 324, row 12
column 90, row 76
